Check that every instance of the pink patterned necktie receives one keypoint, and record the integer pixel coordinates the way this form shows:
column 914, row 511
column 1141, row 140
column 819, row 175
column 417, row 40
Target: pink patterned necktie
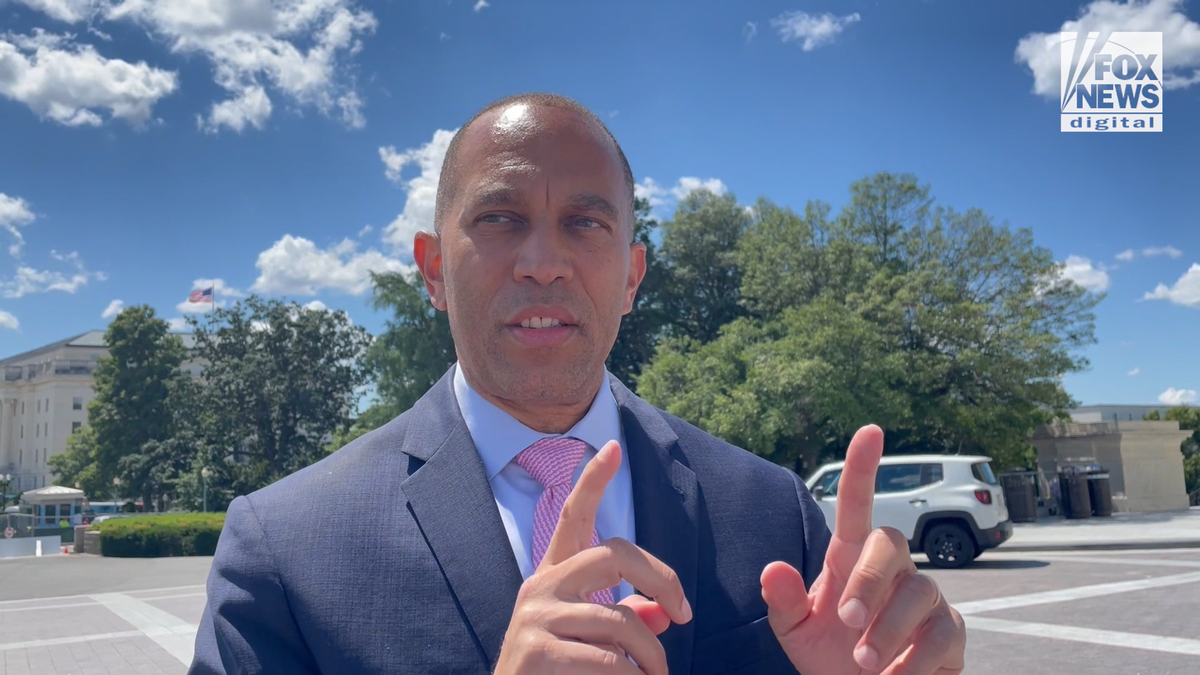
column 552, row 463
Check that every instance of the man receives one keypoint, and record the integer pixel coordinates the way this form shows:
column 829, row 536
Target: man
column 530, row 514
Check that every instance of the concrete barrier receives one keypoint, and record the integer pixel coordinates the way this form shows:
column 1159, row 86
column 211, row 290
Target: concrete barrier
column 91, row 543
column 27, row 546
column 80, row 532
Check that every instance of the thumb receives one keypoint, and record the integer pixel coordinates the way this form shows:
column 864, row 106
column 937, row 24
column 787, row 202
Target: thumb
column 649, row 612
column 788, row 602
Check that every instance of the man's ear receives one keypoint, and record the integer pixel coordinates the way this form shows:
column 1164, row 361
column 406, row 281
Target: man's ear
column 637, row 272
column 427, row 253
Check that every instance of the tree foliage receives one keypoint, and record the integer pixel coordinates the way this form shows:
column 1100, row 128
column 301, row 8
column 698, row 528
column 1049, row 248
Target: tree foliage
column 1189, row 420
column 279, row 380
column 642, row 327
column 699, row 253
column 131, row 409
column 950, row 331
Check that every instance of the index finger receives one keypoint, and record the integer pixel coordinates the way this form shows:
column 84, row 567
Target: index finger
column 577, row 520
column 856, row 487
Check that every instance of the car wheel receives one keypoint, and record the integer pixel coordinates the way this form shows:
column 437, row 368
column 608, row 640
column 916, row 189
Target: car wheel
column 949, row 546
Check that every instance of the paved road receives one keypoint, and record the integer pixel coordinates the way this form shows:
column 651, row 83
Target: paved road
column 1094, row 613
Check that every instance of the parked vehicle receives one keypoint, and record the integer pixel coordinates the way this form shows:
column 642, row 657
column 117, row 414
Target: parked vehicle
column 949, row 507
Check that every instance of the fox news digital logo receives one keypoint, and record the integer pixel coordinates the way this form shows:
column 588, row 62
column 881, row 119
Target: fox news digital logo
column 1112, row 82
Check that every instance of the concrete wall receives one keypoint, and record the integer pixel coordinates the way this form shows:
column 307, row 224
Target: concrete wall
column 27, row 546
column 1143, row 459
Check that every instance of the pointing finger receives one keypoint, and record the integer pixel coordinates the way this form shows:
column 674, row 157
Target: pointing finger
column 577, row 521
column 856, row 487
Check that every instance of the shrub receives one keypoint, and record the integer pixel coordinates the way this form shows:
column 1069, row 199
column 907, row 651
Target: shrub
column 156, row 536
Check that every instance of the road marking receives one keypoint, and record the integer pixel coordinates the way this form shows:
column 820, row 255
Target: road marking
column 46, row 608
column 201, row 595
column 1077, row 593
column 170, row 632
column 1129, row 561
column 51, row 642
column 1108, row 638
column 52, row 598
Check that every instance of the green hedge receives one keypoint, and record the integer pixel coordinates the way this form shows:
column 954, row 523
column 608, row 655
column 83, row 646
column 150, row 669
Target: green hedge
column 157, row 536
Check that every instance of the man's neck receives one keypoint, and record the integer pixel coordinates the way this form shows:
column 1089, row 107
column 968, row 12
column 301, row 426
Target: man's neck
column 541, row 416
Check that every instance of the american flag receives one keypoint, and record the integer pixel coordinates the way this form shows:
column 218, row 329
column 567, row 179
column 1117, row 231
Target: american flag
column 201, row 295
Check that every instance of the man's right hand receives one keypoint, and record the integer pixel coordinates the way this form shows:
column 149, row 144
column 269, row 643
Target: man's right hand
column 555, row 628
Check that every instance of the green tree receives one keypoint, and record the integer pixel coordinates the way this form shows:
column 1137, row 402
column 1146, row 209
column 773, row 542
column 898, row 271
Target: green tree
column 411, row 354
column 131, row 408
column 1189, row 420
column 154, row 470
column 702, row 291
column 642, row 327
column 279, row 380
column 949, row 331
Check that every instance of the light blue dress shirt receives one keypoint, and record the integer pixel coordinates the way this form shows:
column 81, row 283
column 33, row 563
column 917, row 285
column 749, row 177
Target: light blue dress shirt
column 499, row 438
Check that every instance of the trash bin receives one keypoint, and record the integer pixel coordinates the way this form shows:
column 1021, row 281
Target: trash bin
column 1019, row 496
column 1100, row 492
column 1073, row 493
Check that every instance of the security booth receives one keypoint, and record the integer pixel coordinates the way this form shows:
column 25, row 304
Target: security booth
column 53, row 506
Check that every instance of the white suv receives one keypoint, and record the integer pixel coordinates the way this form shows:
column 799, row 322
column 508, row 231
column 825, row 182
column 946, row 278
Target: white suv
column 948, row 506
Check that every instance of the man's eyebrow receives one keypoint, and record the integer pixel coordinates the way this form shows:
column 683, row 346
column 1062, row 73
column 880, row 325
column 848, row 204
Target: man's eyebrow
column 587, row 201
column 492, row 197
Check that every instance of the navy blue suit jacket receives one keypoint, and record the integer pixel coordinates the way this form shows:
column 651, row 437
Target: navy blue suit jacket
column 389, row 556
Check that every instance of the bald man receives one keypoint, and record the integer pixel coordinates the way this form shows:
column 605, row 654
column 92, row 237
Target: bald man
column 532, row 515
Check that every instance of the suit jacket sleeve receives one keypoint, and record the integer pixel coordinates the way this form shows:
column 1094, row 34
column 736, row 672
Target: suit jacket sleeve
column 247, row 625
column 816, row 533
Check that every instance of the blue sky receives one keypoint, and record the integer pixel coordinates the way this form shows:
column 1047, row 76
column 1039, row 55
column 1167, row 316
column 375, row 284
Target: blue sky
column 148, row 146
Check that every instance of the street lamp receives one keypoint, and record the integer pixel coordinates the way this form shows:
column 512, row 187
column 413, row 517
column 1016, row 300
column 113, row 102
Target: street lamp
column 116, row 492
column 206, row 473
column 5, row 479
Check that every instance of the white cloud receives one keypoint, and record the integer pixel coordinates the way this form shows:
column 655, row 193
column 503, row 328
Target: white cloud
column 1186, row 290
column 300, row 49
column 481, row 4
column 659, row 195
column 249, row 107
column 114, row 308
column 750, row 30
column 70, row 11
column 1173, row 396
column 1126, row 255
column 1081, row 270
column 177, row 324
column 14, row 213
column 316, row 306
column 8, row 321
column 295, row 266
column 366, row 229
column 1040, row 52
column 71, row 83
column 421, row 190
column 815, row 31
column 1169, row 251
column 1135, row 372
column 30, row 280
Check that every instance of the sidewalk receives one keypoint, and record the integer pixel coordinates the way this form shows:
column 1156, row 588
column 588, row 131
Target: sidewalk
column 1174, row 529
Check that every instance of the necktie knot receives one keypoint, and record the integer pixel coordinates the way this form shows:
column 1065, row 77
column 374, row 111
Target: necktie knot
column 552, row 461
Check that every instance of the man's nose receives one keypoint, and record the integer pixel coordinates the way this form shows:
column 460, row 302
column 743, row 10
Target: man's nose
column 544, row 256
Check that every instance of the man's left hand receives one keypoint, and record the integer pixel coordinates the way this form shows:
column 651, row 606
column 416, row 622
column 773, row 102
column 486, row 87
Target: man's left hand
column 870, row 610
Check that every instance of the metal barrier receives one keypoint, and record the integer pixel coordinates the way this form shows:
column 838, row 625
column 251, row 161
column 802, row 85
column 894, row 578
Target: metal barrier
column 19, row 526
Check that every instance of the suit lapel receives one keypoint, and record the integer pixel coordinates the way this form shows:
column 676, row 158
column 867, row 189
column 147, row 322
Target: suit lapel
column 665, row 507
column 452, row 502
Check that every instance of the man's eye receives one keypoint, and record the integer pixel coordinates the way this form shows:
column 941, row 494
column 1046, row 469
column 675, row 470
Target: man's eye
column 587, row 223
column 496, row 218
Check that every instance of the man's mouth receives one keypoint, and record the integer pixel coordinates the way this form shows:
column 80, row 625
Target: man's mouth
column 541, row 322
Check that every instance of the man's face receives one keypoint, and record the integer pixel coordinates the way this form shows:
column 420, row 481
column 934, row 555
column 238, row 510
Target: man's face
column 534, row 262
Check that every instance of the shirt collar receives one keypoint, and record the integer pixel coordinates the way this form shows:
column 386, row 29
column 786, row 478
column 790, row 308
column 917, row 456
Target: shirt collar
column 499, row 437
